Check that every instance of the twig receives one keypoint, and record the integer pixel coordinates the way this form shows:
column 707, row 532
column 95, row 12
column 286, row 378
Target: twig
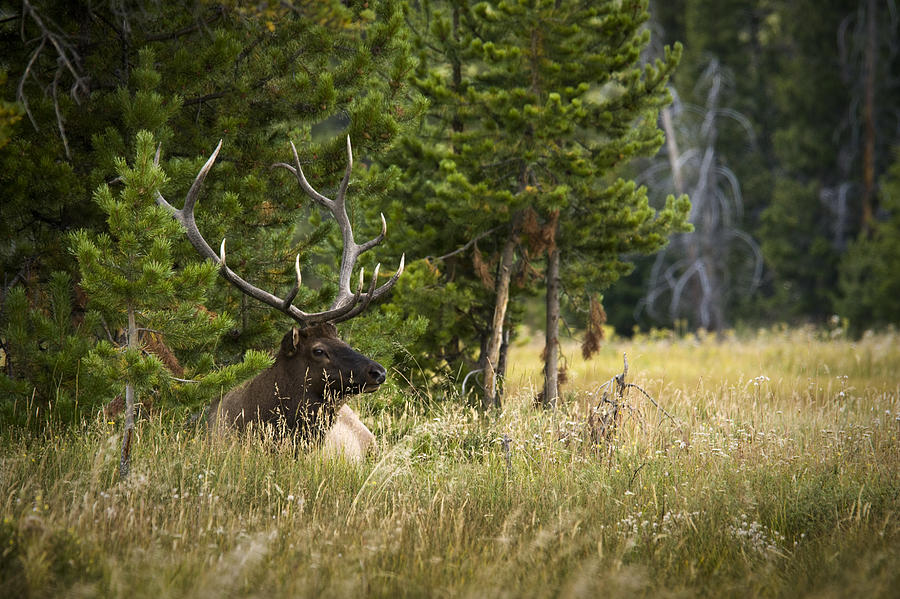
column 506, row 454
column 653, row 401
column 20, row 90
column 633, row 476
column 207, row 97
column 160, row 37
column 67, row 59
column 59, row 117
column 476, row 371
column 61, row 48
column 470, row 243
column 602, row 424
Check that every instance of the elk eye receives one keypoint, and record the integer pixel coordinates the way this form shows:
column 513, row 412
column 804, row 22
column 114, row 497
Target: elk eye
column 319, row 352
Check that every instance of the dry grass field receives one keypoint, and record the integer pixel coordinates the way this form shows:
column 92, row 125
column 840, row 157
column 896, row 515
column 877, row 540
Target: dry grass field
column 775, row 473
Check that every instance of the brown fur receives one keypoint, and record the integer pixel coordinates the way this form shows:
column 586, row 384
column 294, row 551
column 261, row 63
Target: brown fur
column 312, row 377
column 154, row 344
column 115, row 408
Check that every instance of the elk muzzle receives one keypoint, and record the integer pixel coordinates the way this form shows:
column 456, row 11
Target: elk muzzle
column 375, row 376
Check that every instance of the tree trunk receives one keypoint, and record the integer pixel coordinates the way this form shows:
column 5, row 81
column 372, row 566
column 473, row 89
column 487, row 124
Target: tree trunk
column 125, row 460
column 551, row 349
column 502, row 361
column 456, row 123
column 869, row 118
column 491, row 356
column 672, row 150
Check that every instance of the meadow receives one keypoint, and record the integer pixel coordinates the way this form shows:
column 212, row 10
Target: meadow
column 777, row 474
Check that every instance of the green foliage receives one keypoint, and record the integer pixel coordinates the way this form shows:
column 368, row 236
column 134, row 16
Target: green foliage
column 45, row 338
column 257, row 77
column 869, row 286
column 534, row 108
column 131, row 270
column 801, row 75
column 796, row 246
column 803, row 230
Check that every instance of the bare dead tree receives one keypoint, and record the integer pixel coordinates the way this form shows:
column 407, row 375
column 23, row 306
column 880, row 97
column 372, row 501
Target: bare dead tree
column 68, row 64
column 692, row 272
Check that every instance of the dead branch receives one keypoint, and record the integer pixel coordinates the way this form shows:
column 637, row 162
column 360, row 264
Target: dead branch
column 634, row 475
column 604, row 418
column 469, row 244
column 653, row 401
column 68, row 61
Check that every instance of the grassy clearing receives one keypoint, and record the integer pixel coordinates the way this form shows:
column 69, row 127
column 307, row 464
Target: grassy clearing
column 780, row 477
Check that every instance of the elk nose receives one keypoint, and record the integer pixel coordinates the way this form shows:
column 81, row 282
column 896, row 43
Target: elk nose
column 377, row 374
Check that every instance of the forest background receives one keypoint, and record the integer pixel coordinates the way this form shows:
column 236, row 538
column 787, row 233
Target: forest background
column 782, row 130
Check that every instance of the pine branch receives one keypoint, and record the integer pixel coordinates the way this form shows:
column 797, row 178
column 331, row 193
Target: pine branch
column 469, row 244
column 218, row 13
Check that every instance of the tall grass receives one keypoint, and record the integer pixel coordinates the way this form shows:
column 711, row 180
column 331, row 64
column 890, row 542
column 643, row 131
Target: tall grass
column 779, row 476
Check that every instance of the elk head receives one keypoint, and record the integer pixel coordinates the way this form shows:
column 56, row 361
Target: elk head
column 319, row 350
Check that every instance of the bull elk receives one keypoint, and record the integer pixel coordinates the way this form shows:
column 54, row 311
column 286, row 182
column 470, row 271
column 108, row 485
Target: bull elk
column 314, row 373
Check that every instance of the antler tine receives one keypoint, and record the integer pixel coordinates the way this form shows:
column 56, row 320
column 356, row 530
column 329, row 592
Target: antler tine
column 186, row 217
column 378, row 239
column 290, row 296
column 304, row 184
column 191, row 198
column 366, row 298
column 373, row 293
column 381, row 291
column 345, row 182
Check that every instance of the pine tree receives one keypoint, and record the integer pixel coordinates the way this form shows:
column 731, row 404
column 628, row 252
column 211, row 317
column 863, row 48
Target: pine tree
column 535, row 105
column 869, row 285
column 837, row 99
column 257, row 77
column 807, row 221
column 49, row 369
column 452, row 224
column 130, row 278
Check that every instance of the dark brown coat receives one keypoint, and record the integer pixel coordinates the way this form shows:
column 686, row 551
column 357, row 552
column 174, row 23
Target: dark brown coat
column 313, row 375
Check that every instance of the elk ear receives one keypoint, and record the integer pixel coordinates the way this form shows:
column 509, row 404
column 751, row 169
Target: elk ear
column 290, row 342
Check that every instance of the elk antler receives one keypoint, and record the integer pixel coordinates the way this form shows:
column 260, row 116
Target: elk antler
column 347, row 304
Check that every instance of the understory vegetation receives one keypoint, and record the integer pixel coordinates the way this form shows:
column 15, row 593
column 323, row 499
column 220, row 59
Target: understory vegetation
column 776, row 475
